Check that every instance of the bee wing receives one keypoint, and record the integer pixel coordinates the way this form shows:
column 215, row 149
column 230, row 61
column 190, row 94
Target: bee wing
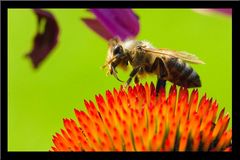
column 185, row 56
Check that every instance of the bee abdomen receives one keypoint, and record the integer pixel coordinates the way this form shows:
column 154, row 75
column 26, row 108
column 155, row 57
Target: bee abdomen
column 182, row 74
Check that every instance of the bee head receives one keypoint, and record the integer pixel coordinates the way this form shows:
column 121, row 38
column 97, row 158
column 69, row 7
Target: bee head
column 117, row 51
column 115, row 57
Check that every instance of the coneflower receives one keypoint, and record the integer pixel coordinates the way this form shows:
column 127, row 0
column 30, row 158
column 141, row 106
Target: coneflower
column 137, row 120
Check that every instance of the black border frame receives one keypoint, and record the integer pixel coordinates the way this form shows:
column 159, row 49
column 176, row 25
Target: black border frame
column 118, row 4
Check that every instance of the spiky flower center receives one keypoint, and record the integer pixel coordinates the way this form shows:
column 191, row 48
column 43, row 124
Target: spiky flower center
column 137, row 120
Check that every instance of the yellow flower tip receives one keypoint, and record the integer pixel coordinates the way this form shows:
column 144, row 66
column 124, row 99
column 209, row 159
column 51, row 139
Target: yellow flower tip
column 135, row 119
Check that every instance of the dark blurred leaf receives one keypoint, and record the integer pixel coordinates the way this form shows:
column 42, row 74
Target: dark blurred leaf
column 46, row 37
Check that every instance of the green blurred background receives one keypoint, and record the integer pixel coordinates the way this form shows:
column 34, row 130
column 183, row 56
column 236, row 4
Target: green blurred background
column 38, row 100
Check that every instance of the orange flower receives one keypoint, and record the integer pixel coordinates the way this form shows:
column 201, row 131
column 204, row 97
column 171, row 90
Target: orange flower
column 137, row 120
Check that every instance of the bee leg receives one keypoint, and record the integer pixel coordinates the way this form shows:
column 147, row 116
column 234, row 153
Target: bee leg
column 160, row 83
column 132, row 74
column 114, row 72
column 136, row 80
column 161, row 75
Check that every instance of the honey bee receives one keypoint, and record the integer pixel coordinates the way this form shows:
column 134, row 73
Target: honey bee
column 167, row 65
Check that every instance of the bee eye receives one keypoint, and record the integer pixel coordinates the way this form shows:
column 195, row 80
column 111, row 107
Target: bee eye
column 117, row 50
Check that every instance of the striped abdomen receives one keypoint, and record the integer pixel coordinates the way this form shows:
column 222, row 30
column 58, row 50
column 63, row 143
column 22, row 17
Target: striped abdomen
column 182, row 74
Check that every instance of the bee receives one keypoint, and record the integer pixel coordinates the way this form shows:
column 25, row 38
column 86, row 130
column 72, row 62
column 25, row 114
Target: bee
column 167, row 65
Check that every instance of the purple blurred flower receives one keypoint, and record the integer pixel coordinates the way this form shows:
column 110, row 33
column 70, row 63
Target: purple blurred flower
column 109, row 23
column 226, row 11
column 45, row 40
